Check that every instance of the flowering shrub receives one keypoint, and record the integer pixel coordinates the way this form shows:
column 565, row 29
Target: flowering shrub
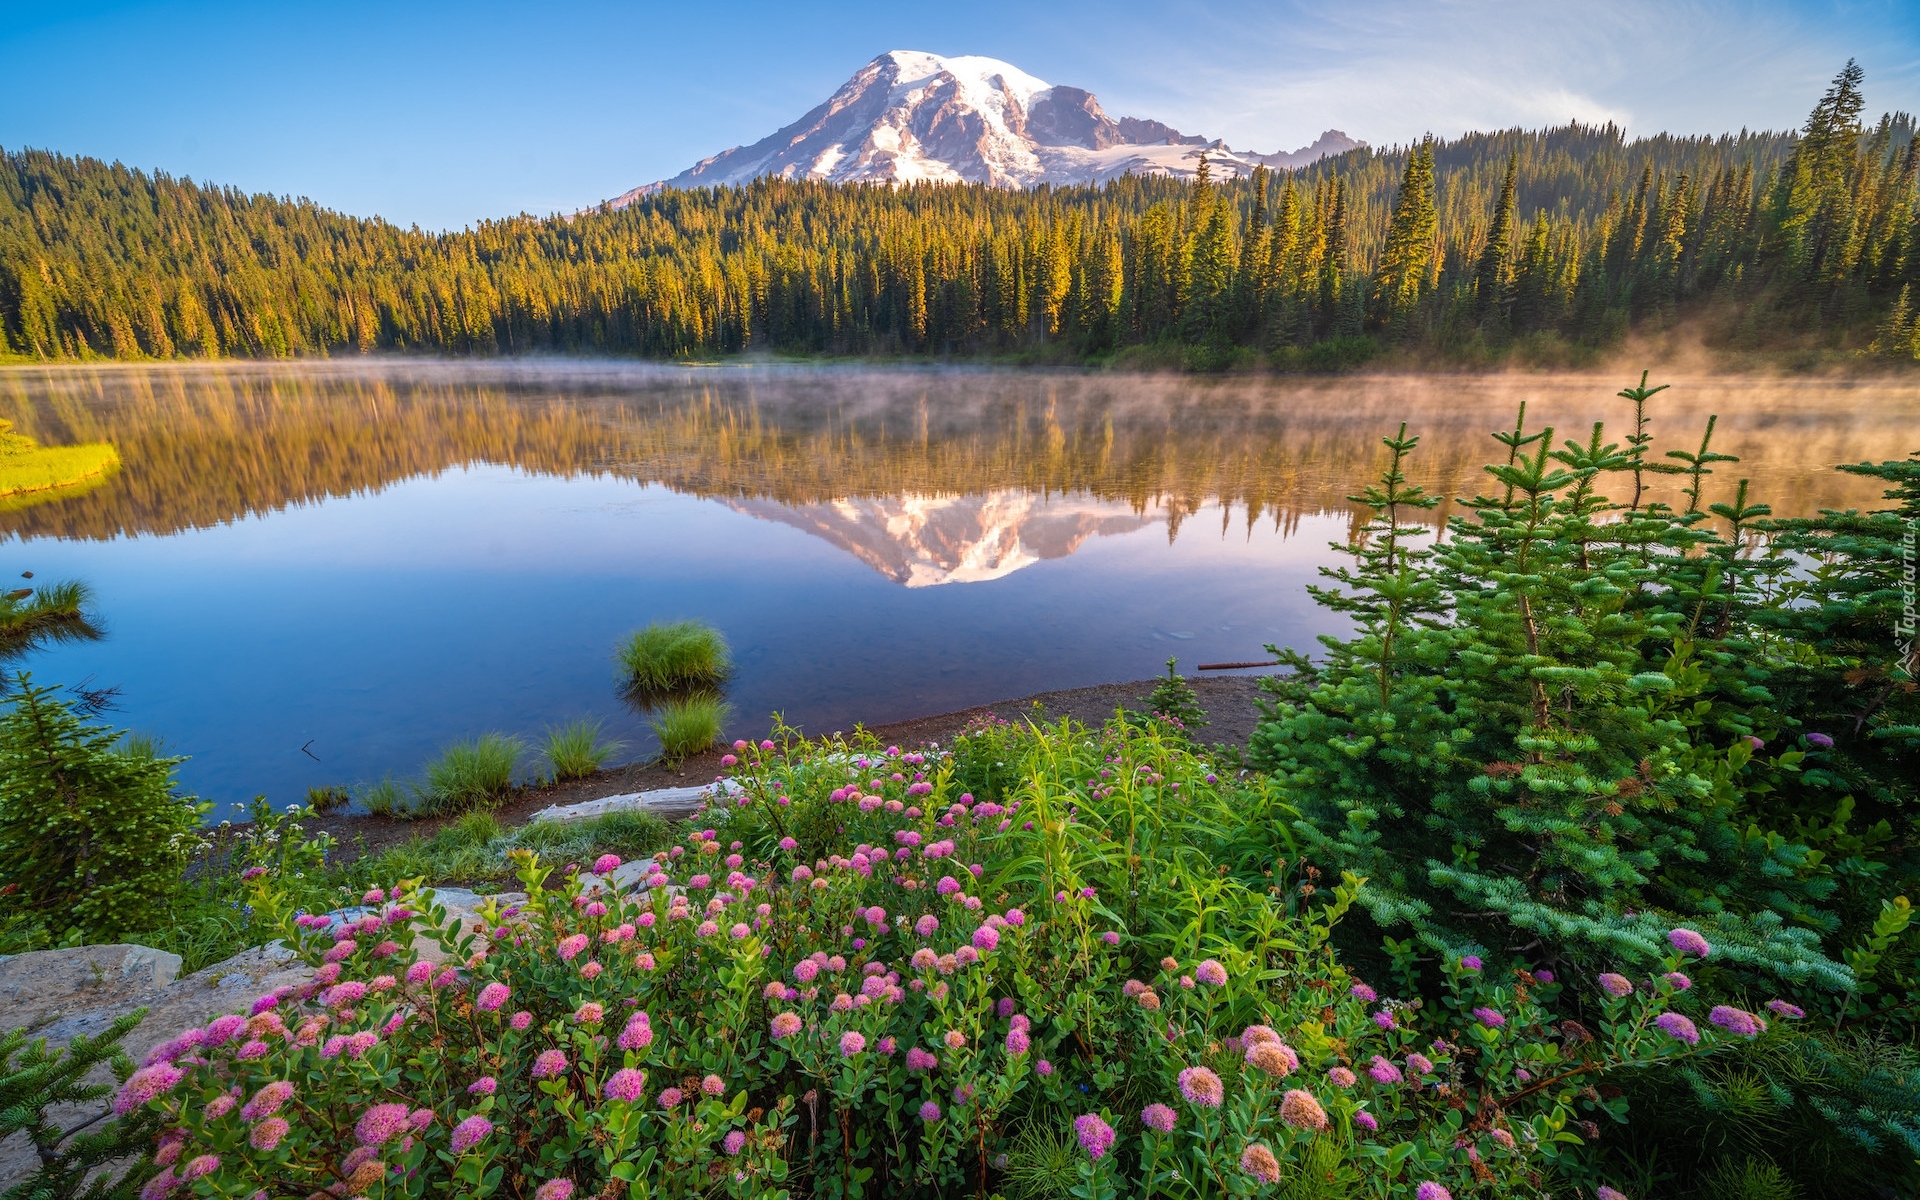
column 860, row 980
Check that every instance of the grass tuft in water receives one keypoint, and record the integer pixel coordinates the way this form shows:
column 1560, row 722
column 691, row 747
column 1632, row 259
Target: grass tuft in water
column 688, row 725
column 386, row 799
column 471, row 773
column 671, row 655
column 575, row 751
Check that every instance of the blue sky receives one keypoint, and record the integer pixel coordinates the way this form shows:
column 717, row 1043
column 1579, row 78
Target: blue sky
column 441, row 114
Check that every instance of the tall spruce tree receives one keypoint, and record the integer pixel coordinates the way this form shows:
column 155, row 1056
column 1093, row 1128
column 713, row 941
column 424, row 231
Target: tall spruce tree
column 1493, row 273
column 1407, row 255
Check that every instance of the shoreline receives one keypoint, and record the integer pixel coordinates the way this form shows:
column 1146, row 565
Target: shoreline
column 1227, row 698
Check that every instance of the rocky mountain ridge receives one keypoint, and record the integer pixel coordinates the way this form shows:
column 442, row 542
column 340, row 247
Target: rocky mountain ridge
column 909, row 116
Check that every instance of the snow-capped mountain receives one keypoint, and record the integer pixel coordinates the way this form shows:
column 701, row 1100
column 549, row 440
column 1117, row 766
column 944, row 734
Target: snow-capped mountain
column 909, row 116
column 924, row 541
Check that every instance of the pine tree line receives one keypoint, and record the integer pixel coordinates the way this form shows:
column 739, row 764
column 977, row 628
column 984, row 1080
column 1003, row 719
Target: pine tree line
column 1575, row 232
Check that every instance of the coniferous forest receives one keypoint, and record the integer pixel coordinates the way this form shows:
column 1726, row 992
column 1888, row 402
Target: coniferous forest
column 1538, row 242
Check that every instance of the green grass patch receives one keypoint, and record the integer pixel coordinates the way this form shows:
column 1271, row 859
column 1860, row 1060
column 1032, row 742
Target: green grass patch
column 668, row 656
column 688, row 725
column 26, row 468
column 575, row 751
column 471, row 773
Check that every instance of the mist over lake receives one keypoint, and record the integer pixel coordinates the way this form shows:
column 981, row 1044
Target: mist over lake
column 320, row 574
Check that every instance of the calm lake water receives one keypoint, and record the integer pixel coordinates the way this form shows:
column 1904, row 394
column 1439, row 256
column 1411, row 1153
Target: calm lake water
column 319, row 575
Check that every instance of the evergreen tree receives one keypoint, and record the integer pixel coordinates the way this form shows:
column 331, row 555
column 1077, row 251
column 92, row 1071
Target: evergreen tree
column 1407, row 255
column 92, row 835
column 1535, row 745
column 1493, row 274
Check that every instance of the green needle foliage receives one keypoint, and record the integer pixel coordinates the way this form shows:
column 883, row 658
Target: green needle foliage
column 471, row 773
column 1564, row 729
column 1174, row 700
column 668, row 656
column 93, row 838
column 575, row 751
column 688, row 725
column 34, row 1079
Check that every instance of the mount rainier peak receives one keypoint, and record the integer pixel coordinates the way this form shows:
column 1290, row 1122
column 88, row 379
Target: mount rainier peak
column 910, row 116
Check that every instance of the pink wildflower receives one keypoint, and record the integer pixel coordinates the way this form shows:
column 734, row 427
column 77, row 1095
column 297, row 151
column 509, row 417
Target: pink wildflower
column 627, row 1084
column 1736, row 1020
column 1686, row 941
column 381, row 1124
column 521, row 1020
column 1676, row 1026
column 570, row 947
column 1096, row 1136
column 1158, row 1117
column 1491, row 1018
column 145, row 1085
column 555, row 1189
column 1341, row 1077
column 1383, row 1071
column 1366, row 1121
column 486, row 1085
column 785, row 1025
column 470, row 1133
column 266, row 1135
column 1201, row 1086
column 1210, row 972
column 1615, row 985
column 1780, row 1008
column 549, row 1064
column 713, row 1085
column 852, row 1042
column 590, row 1013
column 267, row 1100
column 492, row 997
column 929, row 1112
column 1274, row 1058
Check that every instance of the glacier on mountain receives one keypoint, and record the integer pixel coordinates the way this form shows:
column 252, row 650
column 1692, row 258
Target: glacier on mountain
column 909, row 117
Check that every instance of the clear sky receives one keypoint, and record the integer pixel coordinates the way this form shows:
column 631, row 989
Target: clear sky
column 440, row 114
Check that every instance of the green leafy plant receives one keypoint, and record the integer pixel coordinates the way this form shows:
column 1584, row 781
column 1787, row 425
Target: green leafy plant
column 93, row 839
column 83, row 1160
column 705, row 1037
column 575, row 751
column 688, row 725
column 670, row 656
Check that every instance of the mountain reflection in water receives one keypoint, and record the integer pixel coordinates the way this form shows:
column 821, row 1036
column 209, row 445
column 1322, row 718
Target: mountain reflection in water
column 348, row 551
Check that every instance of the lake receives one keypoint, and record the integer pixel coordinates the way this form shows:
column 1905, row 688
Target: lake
column 320, row 574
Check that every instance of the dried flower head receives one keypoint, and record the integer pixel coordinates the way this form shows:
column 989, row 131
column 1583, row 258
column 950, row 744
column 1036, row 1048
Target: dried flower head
column 1258, row 1161
column 1299, row 1109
